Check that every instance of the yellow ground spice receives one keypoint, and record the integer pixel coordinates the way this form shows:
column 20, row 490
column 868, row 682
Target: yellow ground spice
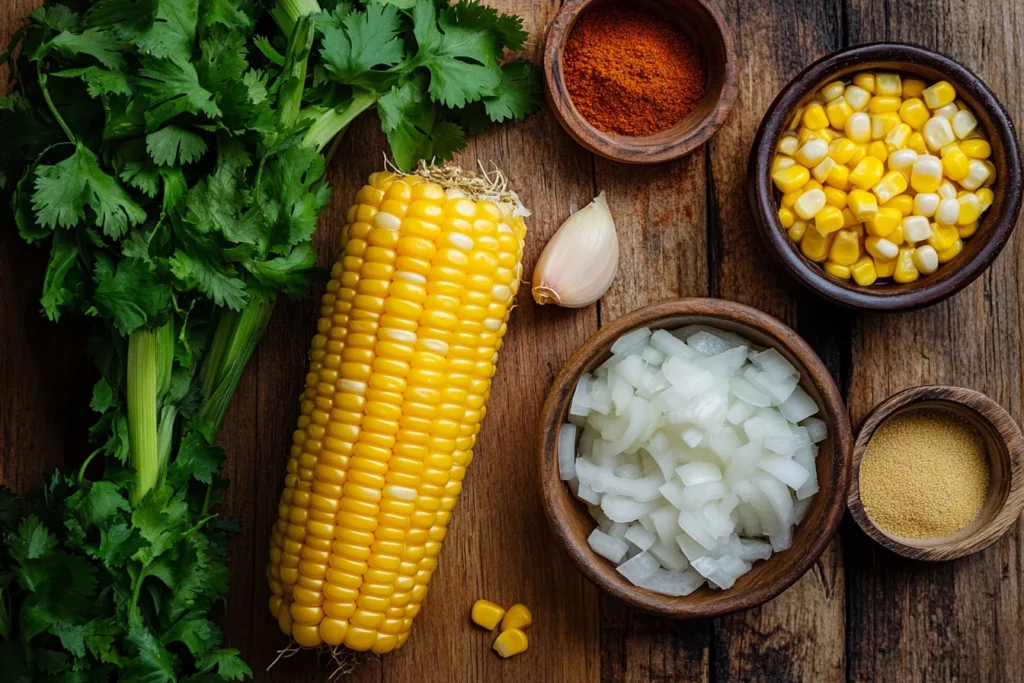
column 925, row 474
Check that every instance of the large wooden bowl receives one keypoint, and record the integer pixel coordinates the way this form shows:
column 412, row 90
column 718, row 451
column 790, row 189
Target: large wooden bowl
column 572, row 523
column 1004, row 445
column 979, row 251
column 704, row 25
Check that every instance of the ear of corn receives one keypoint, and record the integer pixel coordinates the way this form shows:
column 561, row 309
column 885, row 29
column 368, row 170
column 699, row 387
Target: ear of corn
column 400, row 372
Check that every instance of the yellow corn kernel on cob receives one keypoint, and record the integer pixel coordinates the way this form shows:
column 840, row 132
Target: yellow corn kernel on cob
column 400, row 371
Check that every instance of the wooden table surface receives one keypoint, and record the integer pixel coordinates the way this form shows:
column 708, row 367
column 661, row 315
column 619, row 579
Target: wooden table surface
column 861, row 613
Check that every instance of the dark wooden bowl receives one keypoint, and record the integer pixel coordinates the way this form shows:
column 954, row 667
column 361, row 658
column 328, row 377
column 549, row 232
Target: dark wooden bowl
column 1005, row 446
column 701, row 23
column 979, row 251
column 572, row 523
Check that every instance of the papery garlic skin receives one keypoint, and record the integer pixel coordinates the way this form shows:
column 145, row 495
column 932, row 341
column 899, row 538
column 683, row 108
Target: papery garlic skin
column 580, row 261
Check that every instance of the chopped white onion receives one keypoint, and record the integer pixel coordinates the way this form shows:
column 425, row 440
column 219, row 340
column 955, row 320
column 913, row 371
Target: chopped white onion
column 639, row 568
column 695, row 451
column 567, row 452
column 639, row 536
column 612, row 549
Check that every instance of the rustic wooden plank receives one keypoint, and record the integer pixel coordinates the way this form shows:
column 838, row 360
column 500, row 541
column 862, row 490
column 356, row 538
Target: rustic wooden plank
column 47, row 376
column 661, row 221
column 799, row 635
column 280, row 365
column 960, row 620
column 499, row 546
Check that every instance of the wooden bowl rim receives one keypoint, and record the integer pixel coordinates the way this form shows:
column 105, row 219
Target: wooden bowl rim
column 596, row 568
column 993, row 234
column 623, row 148
column 986, row 410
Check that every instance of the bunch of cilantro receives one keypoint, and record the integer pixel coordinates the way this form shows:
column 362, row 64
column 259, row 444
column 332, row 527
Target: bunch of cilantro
column 434, row 71
column 169, row 155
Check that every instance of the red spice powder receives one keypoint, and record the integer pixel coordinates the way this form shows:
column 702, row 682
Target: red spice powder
column 631, row 72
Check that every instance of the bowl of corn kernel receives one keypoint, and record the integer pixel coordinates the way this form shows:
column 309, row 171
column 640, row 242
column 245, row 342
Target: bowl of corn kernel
column 885, row 177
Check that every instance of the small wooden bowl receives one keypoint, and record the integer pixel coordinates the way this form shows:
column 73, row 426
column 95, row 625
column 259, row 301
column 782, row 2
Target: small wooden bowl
column 572, row 523
column 1005, row 446
column 979, row 251
column 703, row 24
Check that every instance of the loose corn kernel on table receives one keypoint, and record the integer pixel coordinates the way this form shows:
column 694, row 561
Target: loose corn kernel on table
column 685, row 229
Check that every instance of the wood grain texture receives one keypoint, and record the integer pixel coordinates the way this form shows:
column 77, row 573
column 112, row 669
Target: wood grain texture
column 1004, row 446
column 861, row 614
column 800, row 634
column 959, row 621
column 660, row 216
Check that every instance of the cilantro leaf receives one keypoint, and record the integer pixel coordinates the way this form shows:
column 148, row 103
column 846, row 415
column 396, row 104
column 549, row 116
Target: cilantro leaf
column 463, row 62
column 96, row 502
column 143, row 176
column 194, row 633
column 152, row 662
column 32, row 541
column 57, row 286
column 227, row 663
column 65, row 189
column 94, row 42
column 99, row 81
column 215, row 281
column 173, row 144
column 367, row 42
column 291, row 274
column 223, row 12
column 173, row 88
column 519, row 94
column 118, row 542
column 103, row 396
column 173, row 31
column 197, row 459
column 410, row 121
column 161, row 518
column 479, row 17
column 126, row 16
column 129, row 295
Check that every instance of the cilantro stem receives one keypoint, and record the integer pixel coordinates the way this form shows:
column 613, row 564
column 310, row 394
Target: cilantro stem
column 165, row 435
column 81, row 470
column 331, row 123
column 227, row 363
column 289, row 102
column 142, row 432
column 287, row 12
column 52, row 106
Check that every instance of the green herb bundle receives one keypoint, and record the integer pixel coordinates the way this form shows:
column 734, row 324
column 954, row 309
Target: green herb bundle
column 169, row 156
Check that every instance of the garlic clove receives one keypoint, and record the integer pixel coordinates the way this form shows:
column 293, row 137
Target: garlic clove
column 580, row 260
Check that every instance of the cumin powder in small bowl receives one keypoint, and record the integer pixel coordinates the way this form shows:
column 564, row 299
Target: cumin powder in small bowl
column 630, row 71
column 925, row 474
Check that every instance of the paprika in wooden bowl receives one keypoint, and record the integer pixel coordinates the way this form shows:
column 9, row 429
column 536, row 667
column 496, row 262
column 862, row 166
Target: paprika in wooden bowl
column 643, row 82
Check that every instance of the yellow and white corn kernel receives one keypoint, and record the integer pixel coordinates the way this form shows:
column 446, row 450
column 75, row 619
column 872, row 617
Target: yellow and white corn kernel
column 511, row 642
column 939, row 95
column 925, row 204
column 916, row 229
column 809, row 204
column 906, row 269
column 937, row 133
column 487, row 614
column 517, row 616
column 926, row 259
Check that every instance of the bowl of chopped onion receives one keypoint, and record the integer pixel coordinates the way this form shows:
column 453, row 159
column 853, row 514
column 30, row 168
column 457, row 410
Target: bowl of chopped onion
column 694, row 457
